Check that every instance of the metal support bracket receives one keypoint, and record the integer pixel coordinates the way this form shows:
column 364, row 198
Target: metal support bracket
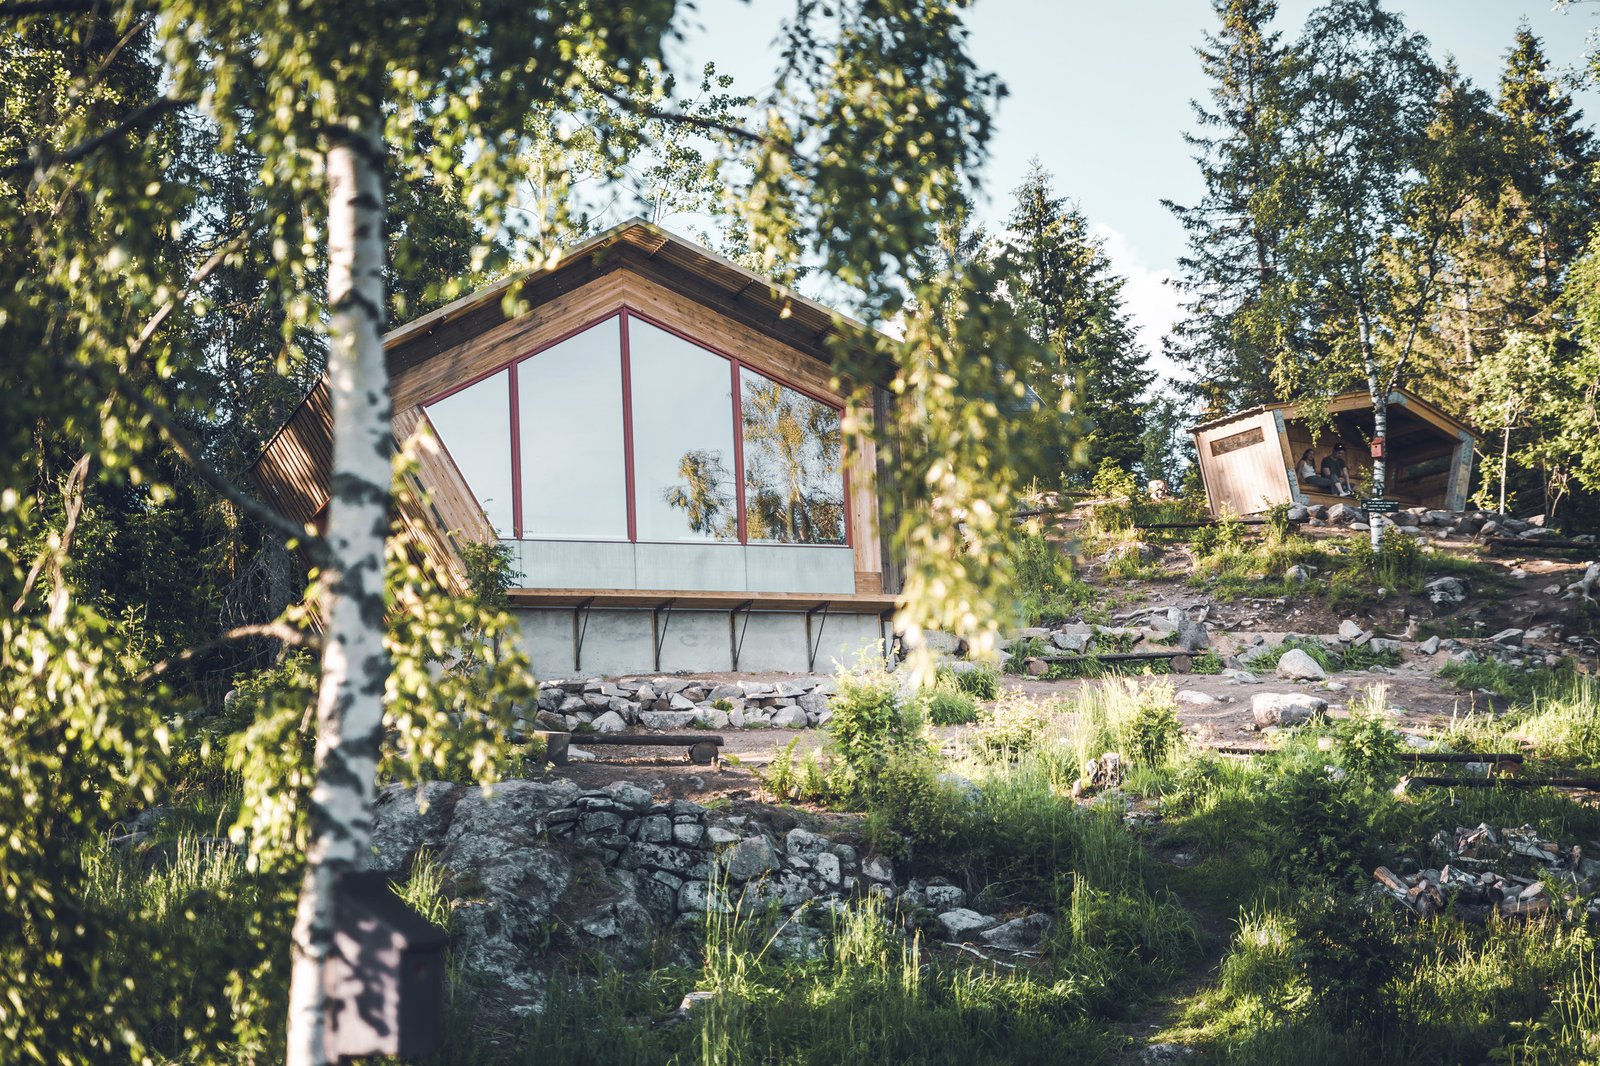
column 579, row 632
column 736, row 643
column 813, row 645
column 658, row 627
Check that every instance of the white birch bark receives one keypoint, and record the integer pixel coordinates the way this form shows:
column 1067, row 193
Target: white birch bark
column 354, row 665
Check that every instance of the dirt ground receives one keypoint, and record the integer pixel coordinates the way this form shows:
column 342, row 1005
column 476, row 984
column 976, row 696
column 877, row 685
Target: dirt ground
column 1418, row 700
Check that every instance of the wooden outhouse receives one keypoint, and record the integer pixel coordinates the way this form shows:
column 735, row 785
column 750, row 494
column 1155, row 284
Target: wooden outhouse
column 1248, row 460
column 656, row 435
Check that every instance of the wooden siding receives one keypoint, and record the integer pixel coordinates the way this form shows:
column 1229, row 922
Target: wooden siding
column 295, row 468
column 1244, row 479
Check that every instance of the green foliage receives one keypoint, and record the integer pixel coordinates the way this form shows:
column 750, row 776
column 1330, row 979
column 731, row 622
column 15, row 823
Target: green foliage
column 980, row 684
column 1154, row 733
column 1009, row 727
column 950, row 707
column 1368, row 748
column 870, row 721
column 1207, row 662
column 1349, row 954
column 1267, row 658
column 1048, row 590
column 424, row 890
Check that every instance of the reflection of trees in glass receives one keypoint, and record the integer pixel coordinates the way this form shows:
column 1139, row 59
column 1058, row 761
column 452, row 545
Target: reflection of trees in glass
column 704, row 495
column 793, row 486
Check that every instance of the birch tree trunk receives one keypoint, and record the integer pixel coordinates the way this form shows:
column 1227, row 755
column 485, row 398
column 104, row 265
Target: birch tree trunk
column 354, row 664
column 1380, row 420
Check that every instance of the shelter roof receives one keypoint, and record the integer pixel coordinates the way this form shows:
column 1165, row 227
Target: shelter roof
column 1350, row 401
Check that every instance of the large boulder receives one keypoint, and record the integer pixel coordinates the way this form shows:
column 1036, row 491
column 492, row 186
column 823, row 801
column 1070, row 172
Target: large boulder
column 1297, row 665
column 963, row 924
column 1343, row 514
column 1446, row 591
column 1285, row 708
column 1019, row 934
column 789, row 718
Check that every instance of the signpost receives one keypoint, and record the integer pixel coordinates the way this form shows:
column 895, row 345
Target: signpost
column 1379, row 505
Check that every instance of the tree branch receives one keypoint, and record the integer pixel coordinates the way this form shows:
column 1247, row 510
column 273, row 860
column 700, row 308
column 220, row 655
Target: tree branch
column 279, row 631
column 676, row 117
column 73, row 491
column 138, row 118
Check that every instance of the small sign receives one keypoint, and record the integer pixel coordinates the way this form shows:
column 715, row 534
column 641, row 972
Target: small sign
column 1379, row 505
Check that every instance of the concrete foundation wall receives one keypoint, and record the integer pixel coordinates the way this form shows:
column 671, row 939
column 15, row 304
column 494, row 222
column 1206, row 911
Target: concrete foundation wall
column 620, row 641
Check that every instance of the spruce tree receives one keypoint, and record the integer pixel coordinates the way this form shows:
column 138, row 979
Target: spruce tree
column 1064, row 285
column 1228, row 338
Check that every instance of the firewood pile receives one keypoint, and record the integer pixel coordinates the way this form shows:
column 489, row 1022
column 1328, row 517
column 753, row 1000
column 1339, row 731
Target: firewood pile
column 1506, row 873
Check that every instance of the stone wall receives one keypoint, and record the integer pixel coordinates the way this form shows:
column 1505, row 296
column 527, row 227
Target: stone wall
column 679, row 703
column 543, row 871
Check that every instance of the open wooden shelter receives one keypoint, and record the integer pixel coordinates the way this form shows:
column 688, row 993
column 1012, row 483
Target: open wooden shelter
column 1247, row 460
column 657, row 436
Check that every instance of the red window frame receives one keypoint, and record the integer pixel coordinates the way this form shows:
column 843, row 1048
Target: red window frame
column 623, row 315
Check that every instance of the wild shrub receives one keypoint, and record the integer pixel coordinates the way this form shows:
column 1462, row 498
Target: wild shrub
column 1207, row 662
column 1011, row 726
column 1368, row 749
column 912, row 801
column 1350, row 954
column 1022, row 649
column 1045, row 583
column 1318, row 828
column 981, row 684
column 949, row 706
column 1154, row 733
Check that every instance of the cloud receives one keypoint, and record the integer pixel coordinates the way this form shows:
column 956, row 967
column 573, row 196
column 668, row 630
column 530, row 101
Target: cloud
column 1152, row 303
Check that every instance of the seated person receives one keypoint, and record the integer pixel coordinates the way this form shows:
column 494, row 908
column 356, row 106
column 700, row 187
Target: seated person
column 1337, row 471
column 1306, row 471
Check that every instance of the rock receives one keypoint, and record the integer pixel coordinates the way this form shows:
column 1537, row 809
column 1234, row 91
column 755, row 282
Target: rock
column 725, row 692
column 1384, row 646
column 1446, row 590
column 1429, row 646
column 790, row 718
column 1298, row 574
column 1189, row 697
column 1298, row 513
column 1508, row 637
column 610, row 722
column 878, row 869
column 668, row 720
column 1241, row 677
column 1359, row 527
column 1072, row 638
column 629, row 795
column 1193, row 636
column 1035, row 667
column 1343, row 514
column 1285, row 708
column 1551, row 590
column 803, row 843
column 750, row 858
column 942, row 897
column 1019, row 934
column 813, row 703
column 962, row 924
column 1349, row 629
column 1297, row 665
column 1165, row 1054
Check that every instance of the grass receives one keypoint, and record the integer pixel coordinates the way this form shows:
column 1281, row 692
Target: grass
column 1354, row 658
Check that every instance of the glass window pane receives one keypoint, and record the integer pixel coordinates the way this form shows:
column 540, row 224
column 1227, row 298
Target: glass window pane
column 474, row 425
column 574, row 474
column 793, row 479
column 682, row 438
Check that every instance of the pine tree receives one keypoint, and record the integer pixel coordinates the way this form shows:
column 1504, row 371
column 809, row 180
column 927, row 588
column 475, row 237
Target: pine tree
column 1228, row 339
column 1063, row 284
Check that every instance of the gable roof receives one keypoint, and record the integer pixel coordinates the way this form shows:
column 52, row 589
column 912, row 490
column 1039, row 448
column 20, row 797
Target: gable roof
column 1350, row 401
column 665, row 258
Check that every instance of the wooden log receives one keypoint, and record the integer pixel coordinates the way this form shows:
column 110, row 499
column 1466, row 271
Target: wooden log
column 1546, row 544
column 1407, row 756
column 653, row 740
column 1586, row 784
column 1387, row 878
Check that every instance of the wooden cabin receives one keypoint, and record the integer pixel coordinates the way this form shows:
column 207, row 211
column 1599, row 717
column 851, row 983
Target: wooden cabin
column 1247, row 460
column 656, row 435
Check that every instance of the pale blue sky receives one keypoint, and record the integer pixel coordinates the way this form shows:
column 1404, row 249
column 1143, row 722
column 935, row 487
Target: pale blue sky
column 1100, row 93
